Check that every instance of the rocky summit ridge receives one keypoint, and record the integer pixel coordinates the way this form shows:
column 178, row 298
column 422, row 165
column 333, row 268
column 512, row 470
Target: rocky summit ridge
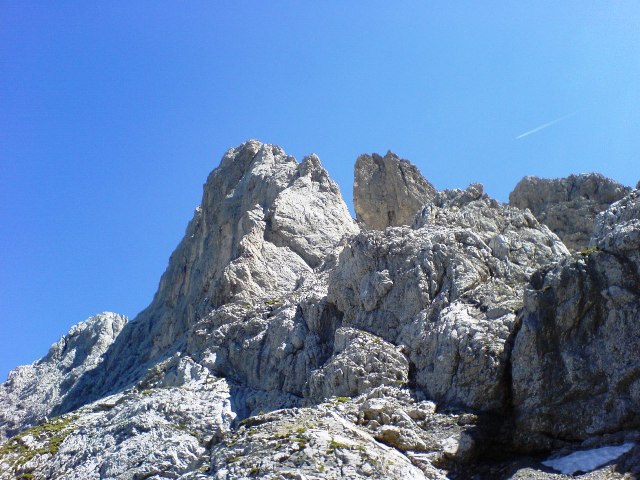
column 442, row 334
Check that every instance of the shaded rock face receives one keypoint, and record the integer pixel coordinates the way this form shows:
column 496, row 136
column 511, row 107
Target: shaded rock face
column 388, row 191
column 448, row 290
column 576, row 371
column 568, row 206
column 32, row 391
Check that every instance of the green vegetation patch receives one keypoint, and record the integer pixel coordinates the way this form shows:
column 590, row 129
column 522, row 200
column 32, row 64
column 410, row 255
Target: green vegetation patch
column 588, row 251
column 274, row 301
column 334, row 445
column 50, row 434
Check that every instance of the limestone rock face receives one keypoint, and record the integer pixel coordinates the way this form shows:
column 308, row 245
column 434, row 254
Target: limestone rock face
column 308, row 443
column 309, row 216
column 285, row 343
column 385, row 433
column 360, row 362
column 273, row 345
column 575, row 365
column 388, row 191
column 448, row 290
column 617, row 229
column 135, row 434
column 568, row 206
column 265, row 223
column 31, row 392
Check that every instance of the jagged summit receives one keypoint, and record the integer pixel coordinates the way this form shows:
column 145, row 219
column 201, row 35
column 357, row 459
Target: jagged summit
column 264, row 224
column 451, row 337
column 388, row 191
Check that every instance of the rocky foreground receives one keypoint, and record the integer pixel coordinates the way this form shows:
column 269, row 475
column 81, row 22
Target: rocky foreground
column 441, row 335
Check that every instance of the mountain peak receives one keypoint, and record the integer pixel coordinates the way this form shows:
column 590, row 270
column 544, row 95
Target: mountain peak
column 452, row 336
column 388, row 191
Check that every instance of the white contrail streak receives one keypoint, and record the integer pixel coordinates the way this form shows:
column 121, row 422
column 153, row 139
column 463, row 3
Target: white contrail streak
column 545, row 125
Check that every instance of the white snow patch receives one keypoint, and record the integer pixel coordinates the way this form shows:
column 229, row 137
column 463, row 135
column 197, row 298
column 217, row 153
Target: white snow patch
column 587, row 460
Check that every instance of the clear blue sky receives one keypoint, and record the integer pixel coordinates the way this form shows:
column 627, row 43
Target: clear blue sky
column 113, row 113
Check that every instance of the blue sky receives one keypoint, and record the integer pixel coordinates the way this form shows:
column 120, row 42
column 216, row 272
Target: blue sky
column 113, row 113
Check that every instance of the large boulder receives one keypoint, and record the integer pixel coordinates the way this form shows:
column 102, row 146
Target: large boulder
column 576, row 369
column 568, row 206
column 388, row 191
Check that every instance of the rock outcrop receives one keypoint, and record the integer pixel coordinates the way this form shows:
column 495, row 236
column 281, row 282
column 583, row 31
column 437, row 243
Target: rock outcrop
column 388, row 191
column 360, row 362
column 576, row 372
column 31, row 392
column 568, row 206
column 160, row 432
column 265, row 223
column 447, row 290
column 448, row 339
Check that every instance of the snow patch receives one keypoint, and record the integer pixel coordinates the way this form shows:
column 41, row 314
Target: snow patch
column 587, row 460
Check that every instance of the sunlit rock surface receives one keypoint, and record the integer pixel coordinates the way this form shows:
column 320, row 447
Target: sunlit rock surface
column 456, row 338
column 388, row 191
column 568, row 206
column 447, row 290
column 31, row 392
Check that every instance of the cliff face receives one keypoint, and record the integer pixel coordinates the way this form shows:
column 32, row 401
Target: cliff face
column 264, row 224
column 283, row 342
column 576, row 371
